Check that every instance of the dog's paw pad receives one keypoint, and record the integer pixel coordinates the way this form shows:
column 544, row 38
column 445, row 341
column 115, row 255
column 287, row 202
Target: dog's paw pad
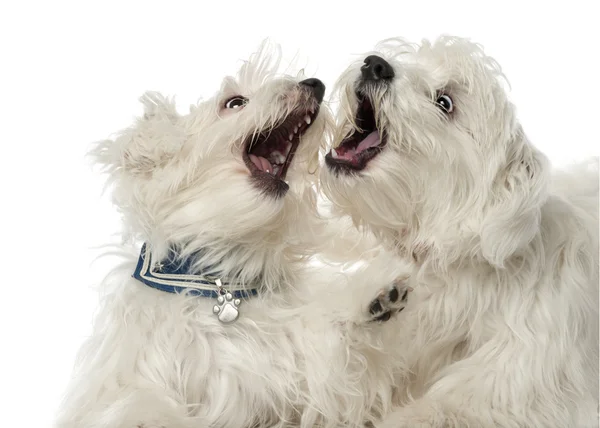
column 376, row 307
column 379, row 309
column 385, row 316
column 226, row 308
column 389, row 301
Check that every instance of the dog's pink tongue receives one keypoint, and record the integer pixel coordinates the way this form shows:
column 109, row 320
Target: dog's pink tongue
column 371, row 140
column 261, row 163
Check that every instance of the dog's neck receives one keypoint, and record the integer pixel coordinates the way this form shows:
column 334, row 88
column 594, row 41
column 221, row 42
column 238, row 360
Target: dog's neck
column 269, row 260
column 252, row 266
column 268, row 255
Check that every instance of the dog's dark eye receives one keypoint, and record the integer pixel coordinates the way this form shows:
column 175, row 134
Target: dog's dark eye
column 445, row 103
column 236, row 102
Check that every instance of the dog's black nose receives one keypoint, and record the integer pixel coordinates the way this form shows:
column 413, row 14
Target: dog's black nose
column 376, row 68
column 316, row 86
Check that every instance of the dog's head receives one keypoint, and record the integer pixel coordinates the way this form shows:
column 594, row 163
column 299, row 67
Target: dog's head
column 428, row 152
column 239, row 169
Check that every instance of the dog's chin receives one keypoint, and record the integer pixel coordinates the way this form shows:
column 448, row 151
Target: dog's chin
column 269, row 153
column 361, row 145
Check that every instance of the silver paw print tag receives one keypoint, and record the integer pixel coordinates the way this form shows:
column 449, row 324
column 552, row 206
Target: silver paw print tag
column 226, row 308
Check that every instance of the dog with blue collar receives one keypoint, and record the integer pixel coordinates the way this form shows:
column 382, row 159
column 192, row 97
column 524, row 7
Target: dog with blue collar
column 219, row 320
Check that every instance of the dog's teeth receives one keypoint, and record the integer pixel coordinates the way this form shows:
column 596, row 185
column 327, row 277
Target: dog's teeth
column 334, row 154
column 312, row 110
column 300, row 124
column 278, row 157
column 295, row 129
column 290, row 137
column 307, row 119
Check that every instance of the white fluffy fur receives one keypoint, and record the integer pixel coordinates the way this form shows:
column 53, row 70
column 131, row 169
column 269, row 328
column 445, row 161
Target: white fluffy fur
column 503, row 327
column 301, row 354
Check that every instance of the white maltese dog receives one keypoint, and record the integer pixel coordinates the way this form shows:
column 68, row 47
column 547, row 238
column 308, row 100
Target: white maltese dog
column 502, row 328
column 217, row 321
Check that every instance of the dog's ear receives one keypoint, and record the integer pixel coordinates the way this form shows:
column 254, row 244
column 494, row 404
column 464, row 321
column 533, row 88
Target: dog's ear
column 512, row 218
column 149, row 144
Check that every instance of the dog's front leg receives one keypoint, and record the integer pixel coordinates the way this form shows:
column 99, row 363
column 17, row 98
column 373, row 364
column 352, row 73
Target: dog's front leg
column 389, row 300
column 505, row 383
column 374, row 292
column 365, row 302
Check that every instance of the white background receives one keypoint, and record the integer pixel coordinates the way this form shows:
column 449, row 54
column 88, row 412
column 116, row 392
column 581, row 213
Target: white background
column 71, row 72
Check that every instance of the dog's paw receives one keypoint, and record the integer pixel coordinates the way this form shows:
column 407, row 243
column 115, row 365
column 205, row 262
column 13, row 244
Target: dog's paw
column 389, row 301
column 226, row 308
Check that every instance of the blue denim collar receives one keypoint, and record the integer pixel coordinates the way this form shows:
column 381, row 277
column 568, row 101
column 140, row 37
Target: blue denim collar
column 173, row 275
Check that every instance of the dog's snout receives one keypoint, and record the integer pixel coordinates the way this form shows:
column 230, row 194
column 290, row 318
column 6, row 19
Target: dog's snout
column 317, row 87
column 376, row 68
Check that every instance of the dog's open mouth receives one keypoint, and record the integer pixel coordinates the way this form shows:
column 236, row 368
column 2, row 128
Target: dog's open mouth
column 269, row 153
column 359, row 147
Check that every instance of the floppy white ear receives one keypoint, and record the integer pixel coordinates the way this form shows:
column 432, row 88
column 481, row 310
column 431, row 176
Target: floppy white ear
column 151, row 142
column 513, row 217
